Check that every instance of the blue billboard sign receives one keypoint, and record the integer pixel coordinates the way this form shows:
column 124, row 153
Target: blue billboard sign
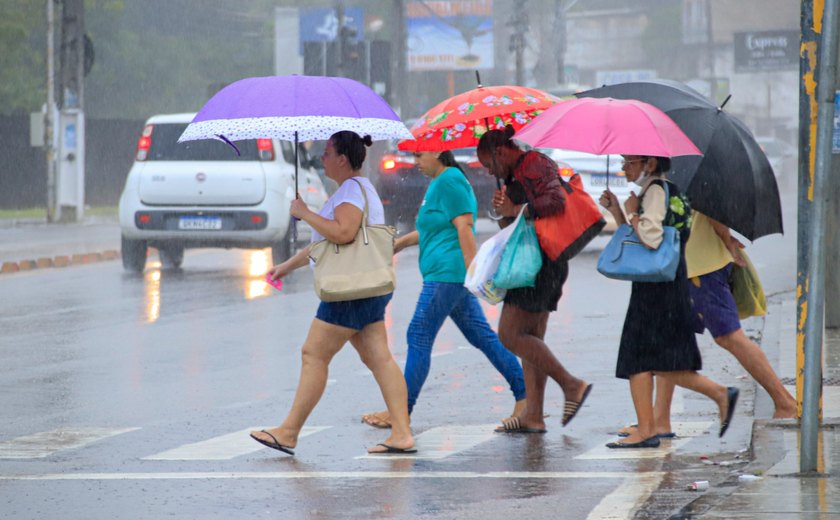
column 321, row 24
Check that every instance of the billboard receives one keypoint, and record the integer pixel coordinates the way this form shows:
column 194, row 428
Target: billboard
column 449, row 35
column 766, row 51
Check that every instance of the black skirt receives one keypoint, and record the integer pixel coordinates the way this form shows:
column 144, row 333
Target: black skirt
column 658, row 332
column 547, row 290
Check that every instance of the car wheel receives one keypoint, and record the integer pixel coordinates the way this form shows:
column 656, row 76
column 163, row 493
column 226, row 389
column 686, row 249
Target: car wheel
column 133, row 255
column 171, row 256
column 282, row 250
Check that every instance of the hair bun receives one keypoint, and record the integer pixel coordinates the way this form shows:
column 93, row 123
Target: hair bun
column 367, row 140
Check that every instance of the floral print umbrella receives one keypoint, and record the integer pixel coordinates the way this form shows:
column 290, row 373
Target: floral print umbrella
column 460, row 121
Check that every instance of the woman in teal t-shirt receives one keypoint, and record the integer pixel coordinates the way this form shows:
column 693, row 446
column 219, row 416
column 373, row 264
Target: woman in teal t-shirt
column 446, row 235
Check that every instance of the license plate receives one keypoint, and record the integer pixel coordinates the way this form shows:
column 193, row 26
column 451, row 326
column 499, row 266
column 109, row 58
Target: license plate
column 601, row 180
column 200, row 223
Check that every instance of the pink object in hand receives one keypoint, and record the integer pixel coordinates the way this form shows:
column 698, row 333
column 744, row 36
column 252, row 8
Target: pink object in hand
column 277, row 284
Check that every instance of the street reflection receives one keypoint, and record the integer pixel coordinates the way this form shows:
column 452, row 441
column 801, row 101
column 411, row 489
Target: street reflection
column 258, row 263
column 152, row 288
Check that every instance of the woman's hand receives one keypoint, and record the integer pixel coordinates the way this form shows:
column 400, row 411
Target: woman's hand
column 279, row 271
column 631, row 205
column 735, row 246
column 299, row 208
column 503, row 205
column 610, row 202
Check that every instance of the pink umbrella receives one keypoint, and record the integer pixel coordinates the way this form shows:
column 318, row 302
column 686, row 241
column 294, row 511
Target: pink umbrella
column 604, row 126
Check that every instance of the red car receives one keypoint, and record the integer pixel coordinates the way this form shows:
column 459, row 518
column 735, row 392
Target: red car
column 402, row 186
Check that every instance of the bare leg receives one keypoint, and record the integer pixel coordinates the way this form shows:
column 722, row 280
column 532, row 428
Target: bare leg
column 701, row 384
column 754, row 361
column 662, row 405
column 372, row 345
column 522, row 333
column 641, row 390
column 322, row 343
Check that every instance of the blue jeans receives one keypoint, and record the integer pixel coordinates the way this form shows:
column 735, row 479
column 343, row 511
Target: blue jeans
column 437, row 301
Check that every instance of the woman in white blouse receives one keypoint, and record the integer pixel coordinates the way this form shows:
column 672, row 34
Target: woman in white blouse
column 658, row 334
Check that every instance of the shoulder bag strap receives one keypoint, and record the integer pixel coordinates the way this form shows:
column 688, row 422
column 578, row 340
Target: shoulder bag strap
column 365, row 211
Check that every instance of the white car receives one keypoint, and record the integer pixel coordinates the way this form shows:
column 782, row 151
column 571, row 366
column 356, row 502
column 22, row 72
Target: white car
column 595, row 172
column 202, row 194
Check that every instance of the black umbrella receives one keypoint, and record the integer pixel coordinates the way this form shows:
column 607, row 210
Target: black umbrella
column 733, row 181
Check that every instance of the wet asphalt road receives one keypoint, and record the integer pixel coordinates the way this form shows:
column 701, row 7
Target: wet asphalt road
column 154, row 381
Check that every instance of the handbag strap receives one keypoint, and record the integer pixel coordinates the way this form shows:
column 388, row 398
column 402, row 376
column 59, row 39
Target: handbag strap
column 667, row 197
column 365, row 211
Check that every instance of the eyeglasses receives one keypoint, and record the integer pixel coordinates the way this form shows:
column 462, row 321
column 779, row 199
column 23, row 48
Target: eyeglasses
column 631, row 161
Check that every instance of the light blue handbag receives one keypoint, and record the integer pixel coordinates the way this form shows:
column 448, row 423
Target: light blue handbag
column 522, row 258
column 627, row 258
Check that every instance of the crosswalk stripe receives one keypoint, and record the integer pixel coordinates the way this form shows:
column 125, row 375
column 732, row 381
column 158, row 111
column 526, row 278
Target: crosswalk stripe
column 685, row 431
column 44, row 444
column 443, row 441
column 223, row 447
column 626, row 499
column 226, row 475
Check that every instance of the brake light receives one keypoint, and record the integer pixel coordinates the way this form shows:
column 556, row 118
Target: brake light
column 256, row 219
column 265, row 149
column 144, row 218
column 392, row 162
column 565, row 170
column 144, row 143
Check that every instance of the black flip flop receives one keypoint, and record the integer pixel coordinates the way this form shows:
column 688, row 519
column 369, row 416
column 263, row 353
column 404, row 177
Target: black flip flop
column 732, row 394
column 273, row 445
column 570, row 409
column 513, row 425
column 651, row 442
column 392, row 450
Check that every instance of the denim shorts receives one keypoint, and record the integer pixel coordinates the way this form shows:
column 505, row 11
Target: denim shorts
column 712, row 303
column 354, row 314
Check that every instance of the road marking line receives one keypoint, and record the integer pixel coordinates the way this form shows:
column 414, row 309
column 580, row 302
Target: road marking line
column 44, row 444
column 443, row 441
column 628, row 497
column 330, row 475
column 685, row 430
column 223, row 447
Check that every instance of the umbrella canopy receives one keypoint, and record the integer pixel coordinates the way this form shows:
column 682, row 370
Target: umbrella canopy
column 295, row 107
column 460, row 121
column 733, row 182
column 605, row 126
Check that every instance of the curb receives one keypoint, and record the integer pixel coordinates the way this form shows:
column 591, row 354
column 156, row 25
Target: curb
column 59, row 261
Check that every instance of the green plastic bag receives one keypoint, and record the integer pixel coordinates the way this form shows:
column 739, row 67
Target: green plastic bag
column 747, row 290
column 521, row 259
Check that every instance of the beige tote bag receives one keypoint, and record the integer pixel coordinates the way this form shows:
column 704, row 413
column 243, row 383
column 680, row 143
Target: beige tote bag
column 364, row 268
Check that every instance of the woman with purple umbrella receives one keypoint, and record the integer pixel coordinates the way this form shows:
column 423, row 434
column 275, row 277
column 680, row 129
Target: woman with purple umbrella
column 658, row 334
column 358, row 321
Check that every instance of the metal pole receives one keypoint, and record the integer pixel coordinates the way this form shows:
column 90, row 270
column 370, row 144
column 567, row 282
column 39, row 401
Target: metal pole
column 826, row 68
column 49, row 123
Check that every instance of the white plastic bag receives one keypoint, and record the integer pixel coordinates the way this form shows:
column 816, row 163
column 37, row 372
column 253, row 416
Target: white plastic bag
column 481, row 271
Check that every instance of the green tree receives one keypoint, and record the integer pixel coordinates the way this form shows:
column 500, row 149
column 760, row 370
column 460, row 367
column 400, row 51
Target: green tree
column 22, row 43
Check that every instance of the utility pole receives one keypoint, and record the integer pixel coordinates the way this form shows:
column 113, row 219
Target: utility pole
column 49, row 115
column 70, row 159
column 560, row 38
column 819, row 50
column 519, row 22
column 398, row 55
column 339, row 38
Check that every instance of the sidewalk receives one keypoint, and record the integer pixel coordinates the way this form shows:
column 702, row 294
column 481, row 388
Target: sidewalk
column 781, row 491
column 34, row 244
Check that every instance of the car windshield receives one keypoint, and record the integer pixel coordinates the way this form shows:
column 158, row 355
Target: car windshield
column 165, row 147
